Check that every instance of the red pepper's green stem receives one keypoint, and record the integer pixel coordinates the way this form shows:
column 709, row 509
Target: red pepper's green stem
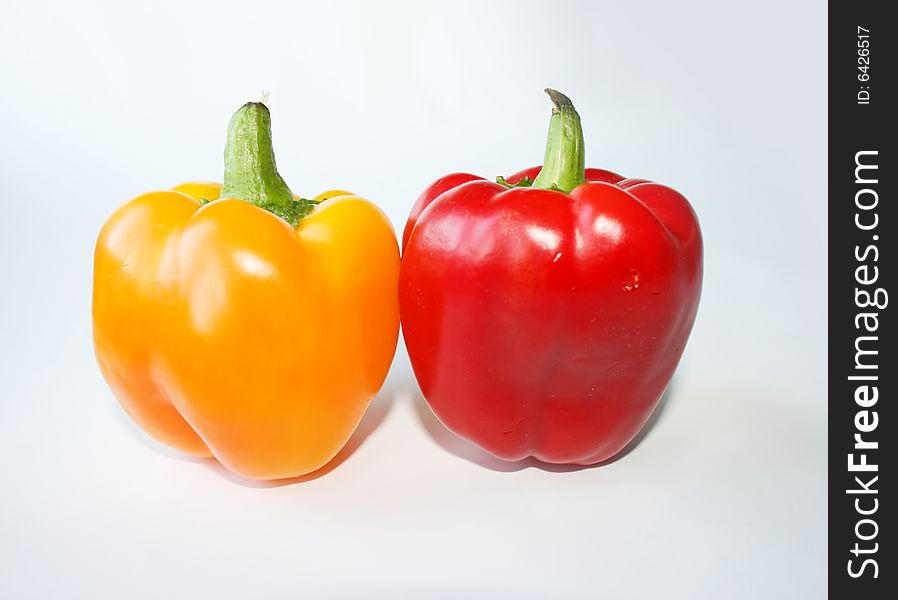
column 564, row 166
column 251, row 173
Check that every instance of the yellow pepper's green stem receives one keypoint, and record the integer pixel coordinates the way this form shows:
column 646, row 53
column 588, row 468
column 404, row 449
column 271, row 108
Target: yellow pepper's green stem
column 564, row 166
column 250, row 171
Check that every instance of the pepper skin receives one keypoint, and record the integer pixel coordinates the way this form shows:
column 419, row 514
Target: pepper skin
column 224, row 331
column 544, row 323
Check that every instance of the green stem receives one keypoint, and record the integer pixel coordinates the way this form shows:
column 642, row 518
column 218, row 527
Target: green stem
column 564, row 165
column 251, row 172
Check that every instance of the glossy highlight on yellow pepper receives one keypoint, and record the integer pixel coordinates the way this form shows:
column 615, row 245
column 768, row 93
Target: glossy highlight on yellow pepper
column 224, row 331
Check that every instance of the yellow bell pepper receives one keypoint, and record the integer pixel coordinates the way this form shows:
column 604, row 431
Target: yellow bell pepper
column 255, row 328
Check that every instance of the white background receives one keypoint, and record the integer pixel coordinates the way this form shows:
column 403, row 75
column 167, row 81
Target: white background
column 723, row 498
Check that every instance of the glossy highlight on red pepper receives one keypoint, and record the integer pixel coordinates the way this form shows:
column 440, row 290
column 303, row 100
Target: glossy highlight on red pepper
column 545, row 315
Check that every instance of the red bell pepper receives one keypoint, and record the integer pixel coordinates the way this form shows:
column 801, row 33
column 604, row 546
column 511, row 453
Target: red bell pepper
column 545, row 314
